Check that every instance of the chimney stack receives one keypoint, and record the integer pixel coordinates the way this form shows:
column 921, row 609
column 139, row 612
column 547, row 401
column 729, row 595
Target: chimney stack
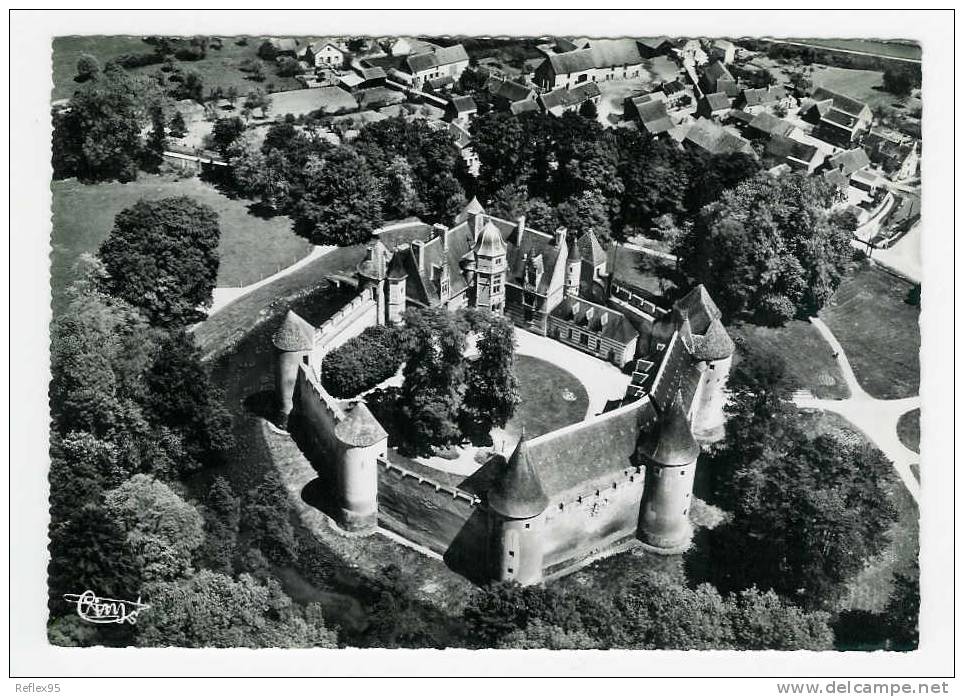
column 560, row 237
column 520, row 227
column 419, row 252
column 439, row 230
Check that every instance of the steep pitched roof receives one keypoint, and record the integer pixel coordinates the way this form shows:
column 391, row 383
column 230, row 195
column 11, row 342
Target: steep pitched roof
column 714, row 345
column 464, row 105
column 716, row 71
column 781, row 146
column 850, row 161
column 712, row 137
column 768, row 123
column 294, row 334
column 717, row 101
column 672, row 443
column 420, row 62
column 609, row 53
column 572, row 61
column 653, row 116
column 516, row 491
column 600, row 320
column 699, row 308
column 507, row 89
column 396, row 267
column 564, row 97
column 841, row 102
column 490, row 243
column 591, row 249
column 359, row 428
column 522, row 107
column 472, row 206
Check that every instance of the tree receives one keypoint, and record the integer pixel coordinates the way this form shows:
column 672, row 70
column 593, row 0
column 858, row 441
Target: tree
column 588, row 110
column 584, row 212
column 361, row 362
column 903, row 611
column 289, row 67
column 191, row 87
column 900, row 81
column 342, row 201
column 212, row 610
column 491, row 387
column 162, row 257
column 88, row 67
column 156, row 141
column 401, row 195
column 258, row 99
column 226, row 132
column 177, row 128
column 265, row 520
column 99, row 137
column 768, row 237
column 510, row 202
column 222, row 518
column 162, row 529
column 231, row 94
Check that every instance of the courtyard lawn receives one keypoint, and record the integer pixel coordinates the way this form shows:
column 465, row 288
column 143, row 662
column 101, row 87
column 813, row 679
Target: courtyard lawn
column 544, row 407
column 870, row 316
column 298, row 102
column 83, row 215
column 908, row 430
column 219, row 68
column 808, row 358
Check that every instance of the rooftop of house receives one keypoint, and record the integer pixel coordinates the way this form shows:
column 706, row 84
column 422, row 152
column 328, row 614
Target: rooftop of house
column 781, row 146
column 717, row 71
column 717, row 101
column 601, row 54
column 768, row 123
column 564, row 97
column 699, row 308
column 841, row 102
column 850, row 161
column 652, row 114
column 507, row 89
column 764, row 95
column 522, row 107
column 436, row 57
column 610, row 324
column 715, row 139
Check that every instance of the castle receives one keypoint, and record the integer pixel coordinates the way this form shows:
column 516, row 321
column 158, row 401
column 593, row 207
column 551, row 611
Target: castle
column 616, row 479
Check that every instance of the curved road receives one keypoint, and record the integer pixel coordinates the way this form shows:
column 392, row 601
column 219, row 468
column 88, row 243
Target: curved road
column 875, row 418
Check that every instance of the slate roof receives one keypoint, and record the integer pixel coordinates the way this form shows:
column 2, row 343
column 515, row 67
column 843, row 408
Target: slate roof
column 294, row 334
column 714, row 345
column 516, row 491
column 374, row 263
column 591, row 249
column 564, row 97
column 572, row 61
column 464, row 105
column 672, row 443
column 359, row 428
column 713, row 138
column 616, row 326
column 770, row 124
column 717, row 101
column 850, row 161
column 699, row 308
column 601, row 445
column 472, row 206
column 653, row 116
column 781, row 146
column 508, row 90
column 396, row 267
column 716, row 71
column 490, row 243
column 841, row 102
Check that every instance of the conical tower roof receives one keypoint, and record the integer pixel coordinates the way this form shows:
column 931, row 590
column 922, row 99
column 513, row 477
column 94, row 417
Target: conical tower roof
column 699, row 307
column 575, row 254
column 359, row 428
column 714, row 345
column 294, row 334
column 671, row 443
column 517, row 491
column 490, row 242
column 473, row 207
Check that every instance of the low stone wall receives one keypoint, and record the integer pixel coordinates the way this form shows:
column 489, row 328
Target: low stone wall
column 319, row 411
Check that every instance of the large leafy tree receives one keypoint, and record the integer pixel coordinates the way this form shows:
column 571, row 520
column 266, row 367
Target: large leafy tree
column 491, row 387
column 162, row 257
column 99, row 136
column 767, row 244
column 212, row 610
column 266, row 523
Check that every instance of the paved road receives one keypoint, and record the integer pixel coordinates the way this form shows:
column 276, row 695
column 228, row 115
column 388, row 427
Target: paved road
column 875, row 418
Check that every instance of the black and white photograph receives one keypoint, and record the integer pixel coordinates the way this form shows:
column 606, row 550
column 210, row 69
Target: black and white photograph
column 523, row 342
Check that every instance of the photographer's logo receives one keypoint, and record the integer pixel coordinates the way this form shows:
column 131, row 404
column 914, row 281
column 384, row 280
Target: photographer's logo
column 105, row 610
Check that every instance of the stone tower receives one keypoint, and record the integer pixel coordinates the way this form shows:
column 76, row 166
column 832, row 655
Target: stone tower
column 361, row 440
column 669, row 453
column 490, row 266
column 516, row 502
column 397, row 295
column 573, row 270
column 371, row 275
column 293, row 341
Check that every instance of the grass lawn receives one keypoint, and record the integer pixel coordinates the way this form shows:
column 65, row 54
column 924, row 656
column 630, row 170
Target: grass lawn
column 908, row 430
column 808, row 358
column 298, row 102
column 218, row 68
column 543, row 407
column 863, row 85
column 879, row 331
column 651, row 273
column 83, row 215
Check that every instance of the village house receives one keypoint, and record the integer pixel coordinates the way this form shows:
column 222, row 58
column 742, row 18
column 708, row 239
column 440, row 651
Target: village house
column 276, row 48
column 839, row 119
column 461, row 110
column 709, row 136
column 895, row 153
column 651, row 114
column 765, row 125
column 406, row 45
column 759, row 100
column 654, row 46
column 716, row 78
column 849, row 162
column 723, row 51
column 326, row 53
column 713, row 106
column 601, row 60
column 675, row 92
column 506, row 93
column 559, row 101
column 797, row 156
column 435, row 67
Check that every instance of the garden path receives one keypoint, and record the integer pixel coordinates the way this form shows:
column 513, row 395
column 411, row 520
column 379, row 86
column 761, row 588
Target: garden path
column 876, row 418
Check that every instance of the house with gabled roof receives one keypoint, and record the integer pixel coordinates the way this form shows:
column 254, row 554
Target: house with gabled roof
column 327, row 53
column 713, row 106
column 440, row 64
column 839, row 119
column 651, row 115
column 758, row 100
column 558, row 102
column 709, row 136
column 716, row 78
column 505, row 92
column 723, row 51
column 599, row 61
column 798, row 156
column 765, row 125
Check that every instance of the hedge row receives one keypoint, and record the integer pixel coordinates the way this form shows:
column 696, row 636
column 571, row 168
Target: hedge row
column 362, row 362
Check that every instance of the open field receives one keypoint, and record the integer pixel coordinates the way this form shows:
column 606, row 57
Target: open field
column 879, row 48
column 908, row 430
column 221, row 67
column 808, row 358
column 879, row 331
column 83, row 215
column 863, row 85
column 330, row 99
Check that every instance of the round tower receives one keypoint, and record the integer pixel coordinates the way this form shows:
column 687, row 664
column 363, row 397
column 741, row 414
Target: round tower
column 293, row 341
column 371, row 275
column 714, row 353
column 361, row 440
column 669, row 453
column 573, row 269
column 516, row 502
column 397, row 277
